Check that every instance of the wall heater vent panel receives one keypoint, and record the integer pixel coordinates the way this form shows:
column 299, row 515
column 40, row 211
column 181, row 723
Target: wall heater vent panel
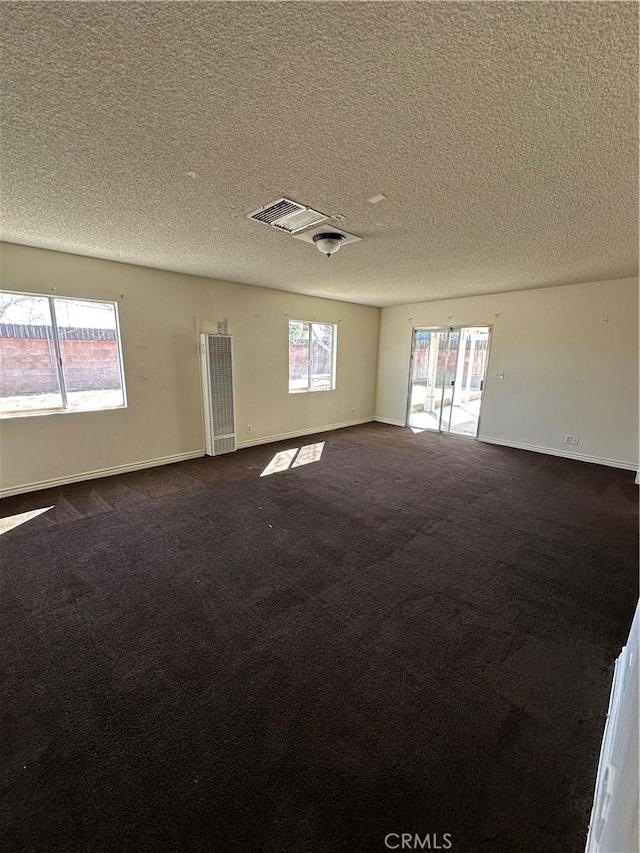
column 217, row 387
column 224, row 445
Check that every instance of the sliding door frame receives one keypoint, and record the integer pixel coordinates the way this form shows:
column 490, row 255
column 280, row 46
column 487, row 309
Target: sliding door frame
column 448, row 330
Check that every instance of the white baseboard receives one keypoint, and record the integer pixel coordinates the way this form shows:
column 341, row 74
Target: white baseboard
column 550, row 451
column 166, row 460
column 104, row 472
column 195, row 454
column 284, row 436
column 389, row 421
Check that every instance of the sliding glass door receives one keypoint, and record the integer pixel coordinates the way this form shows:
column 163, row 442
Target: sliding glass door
column 447, row 378
column 429, row 358
column 468, row 382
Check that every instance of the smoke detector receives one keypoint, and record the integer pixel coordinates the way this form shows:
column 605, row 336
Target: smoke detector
column 288, row 215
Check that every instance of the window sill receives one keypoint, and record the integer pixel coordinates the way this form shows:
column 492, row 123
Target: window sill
column 6, row 416
column 309, row 390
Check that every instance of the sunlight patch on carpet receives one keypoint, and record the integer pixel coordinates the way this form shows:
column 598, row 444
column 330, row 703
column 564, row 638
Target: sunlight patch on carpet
column 12, row 521
column 309, row 453
column 294, row 458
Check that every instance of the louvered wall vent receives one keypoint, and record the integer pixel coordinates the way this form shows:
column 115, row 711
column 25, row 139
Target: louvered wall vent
column 217, row 388
column 288, row 215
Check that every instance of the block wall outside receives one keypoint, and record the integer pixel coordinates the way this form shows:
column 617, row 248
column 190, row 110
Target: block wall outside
column 28, row 365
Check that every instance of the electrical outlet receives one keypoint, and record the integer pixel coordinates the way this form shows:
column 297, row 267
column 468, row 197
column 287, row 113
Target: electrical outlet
column 249, row 427
column 499, row 374
column 575, row 439
column 353, row 411
column 568, row 439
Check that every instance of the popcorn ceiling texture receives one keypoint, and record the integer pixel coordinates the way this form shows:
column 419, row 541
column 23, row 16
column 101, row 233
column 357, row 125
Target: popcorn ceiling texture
column 504, row 136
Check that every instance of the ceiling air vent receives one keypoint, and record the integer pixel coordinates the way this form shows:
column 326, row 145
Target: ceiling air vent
column 288, row 215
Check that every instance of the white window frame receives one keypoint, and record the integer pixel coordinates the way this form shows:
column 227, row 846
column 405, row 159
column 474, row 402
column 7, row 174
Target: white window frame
column 65, row 409
column 334, row 349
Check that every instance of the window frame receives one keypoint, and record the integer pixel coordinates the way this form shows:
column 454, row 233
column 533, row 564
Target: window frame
column 65, row 409
column 334, row 354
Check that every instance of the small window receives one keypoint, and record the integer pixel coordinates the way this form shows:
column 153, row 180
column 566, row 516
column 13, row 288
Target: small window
column 312, row 356
column 58, row 355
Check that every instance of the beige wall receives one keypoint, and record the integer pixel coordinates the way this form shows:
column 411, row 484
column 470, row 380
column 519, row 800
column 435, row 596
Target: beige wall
column 564, row 370
column 161, row 314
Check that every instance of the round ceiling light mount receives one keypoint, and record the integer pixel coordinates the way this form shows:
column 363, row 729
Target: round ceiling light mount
column 328, row 242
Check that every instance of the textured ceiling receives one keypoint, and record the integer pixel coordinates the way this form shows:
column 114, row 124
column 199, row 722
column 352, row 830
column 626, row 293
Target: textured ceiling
column 504, row 136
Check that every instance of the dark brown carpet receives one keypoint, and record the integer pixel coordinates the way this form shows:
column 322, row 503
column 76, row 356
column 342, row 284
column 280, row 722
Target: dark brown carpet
column 414, row 634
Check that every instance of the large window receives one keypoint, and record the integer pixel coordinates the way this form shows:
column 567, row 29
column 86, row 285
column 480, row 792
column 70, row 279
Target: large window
column 58, row 355
column 312, row 356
